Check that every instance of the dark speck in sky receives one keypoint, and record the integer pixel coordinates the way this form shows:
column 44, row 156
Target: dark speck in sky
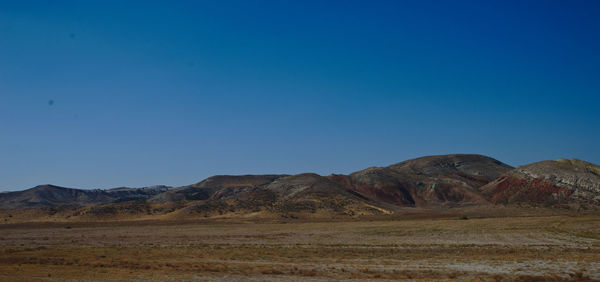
column 51, row 102
column 72, row 35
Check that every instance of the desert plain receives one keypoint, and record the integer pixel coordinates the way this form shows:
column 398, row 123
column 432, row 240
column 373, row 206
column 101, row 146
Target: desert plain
column 528, row 246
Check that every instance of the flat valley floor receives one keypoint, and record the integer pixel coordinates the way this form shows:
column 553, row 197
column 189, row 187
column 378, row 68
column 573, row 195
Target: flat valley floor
column 451, row 248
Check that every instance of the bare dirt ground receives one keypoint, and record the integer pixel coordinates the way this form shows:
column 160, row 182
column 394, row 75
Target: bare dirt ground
column 450, row 248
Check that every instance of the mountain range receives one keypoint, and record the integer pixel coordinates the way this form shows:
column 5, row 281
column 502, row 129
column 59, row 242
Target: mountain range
column 445, row 181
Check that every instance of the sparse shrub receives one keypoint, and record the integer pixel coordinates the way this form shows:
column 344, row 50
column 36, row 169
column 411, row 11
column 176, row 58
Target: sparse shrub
column 272, row 272
column 464, row 217
column 579, row 276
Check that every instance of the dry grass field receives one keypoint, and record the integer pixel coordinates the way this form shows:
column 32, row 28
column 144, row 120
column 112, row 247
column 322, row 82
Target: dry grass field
column 418, row 248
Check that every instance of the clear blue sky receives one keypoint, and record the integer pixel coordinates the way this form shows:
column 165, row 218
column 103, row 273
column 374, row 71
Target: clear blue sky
column 98, row 94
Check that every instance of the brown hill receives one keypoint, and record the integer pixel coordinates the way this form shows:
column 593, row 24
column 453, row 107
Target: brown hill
column 288, row 195
column 427, row 181
column 216, row 187
column 312, row 192
column 51, row 195
column 548, row 182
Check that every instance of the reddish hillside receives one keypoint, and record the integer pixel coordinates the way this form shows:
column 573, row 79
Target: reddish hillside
column 548, row 182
